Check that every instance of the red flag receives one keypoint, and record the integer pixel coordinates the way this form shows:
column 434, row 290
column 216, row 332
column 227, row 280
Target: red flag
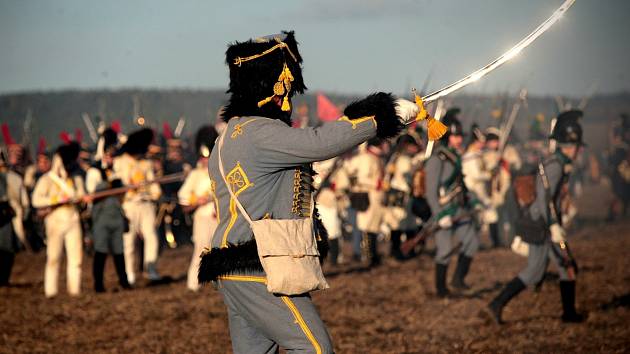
column 326, row 110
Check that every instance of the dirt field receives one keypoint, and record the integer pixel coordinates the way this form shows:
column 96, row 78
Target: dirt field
column 390, row 309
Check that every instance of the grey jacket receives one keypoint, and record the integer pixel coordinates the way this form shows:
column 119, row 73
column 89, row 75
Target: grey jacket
column 267, row 163
column 440, row 170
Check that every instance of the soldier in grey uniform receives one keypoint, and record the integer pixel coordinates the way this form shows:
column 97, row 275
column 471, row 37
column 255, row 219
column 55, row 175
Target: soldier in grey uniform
column 268, row 167
column 540, row 225
column 448, row 198
column 108, row 218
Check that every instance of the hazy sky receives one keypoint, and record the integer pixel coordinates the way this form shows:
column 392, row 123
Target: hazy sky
column 352, row 46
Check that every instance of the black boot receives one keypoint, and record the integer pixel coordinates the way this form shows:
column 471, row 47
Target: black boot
column 494, row 235
column 395, row 245
column 567, row 292
column 463, row 265
column 495, row 308
column 6, row 265
column 119, row 263
column 440, row 280
column 333, row 251
column 98, row 268
column 375, row 260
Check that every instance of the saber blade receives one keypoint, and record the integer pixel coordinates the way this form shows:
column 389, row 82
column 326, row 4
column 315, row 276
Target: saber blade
column 514, row 51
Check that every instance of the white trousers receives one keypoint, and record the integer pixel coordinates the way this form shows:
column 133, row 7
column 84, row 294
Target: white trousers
column 60, row 233
column 203, row 229
column 141, row 217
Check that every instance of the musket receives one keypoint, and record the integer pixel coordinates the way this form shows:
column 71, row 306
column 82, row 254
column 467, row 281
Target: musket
column 45, row 210
column 90, row 127
column 499, row 61
column 565, row 253
column 584, row 101
column 179, row 128
column 429, row 230
column 507, row 128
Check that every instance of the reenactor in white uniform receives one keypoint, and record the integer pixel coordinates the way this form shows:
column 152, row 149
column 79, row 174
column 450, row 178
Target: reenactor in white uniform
column 58, row 191
column 197, row 196
column 139, row 204
column 398, row 214
column 13, row 208
column 500, row 169
column 329, row 179
column 366, row 194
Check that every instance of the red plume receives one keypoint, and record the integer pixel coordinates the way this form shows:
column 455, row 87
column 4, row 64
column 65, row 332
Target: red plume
column 78, row 135
column 116, row 126
column 6, row 134
column 166, row 131
column 65, row 137
column 41, row 147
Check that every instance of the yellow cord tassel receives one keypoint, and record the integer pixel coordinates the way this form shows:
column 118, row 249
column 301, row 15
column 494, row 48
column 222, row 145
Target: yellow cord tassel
column 435, row 129
column 285, row 104
column 280, row 88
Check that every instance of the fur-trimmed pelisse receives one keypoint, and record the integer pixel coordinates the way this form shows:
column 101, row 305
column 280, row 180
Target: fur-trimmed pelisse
column 382, row 106
column 253, row 80
column 138, row 142
column 243, row 257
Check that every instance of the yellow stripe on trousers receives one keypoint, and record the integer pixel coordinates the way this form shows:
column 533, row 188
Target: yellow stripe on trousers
column 302, row 324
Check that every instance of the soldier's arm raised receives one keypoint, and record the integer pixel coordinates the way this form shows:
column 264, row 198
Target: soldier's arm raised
column 280, row 146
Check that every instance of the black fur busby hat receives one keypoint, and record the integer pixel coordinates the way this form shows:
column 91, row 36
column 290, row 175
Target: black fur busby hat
column 261, row 69
column 204, row 140
column 138, row 142
column 69, row 154
column 451, row 120
column 568, row 129
column 110, row 139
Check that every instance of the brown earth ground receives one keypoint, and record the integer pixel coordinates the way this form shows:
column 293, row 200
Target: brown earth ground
column 390, row 309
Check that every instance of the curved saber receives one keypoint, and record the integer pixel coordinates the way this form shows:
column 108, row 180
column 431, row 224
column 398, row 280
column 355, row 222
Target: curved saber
column 503, row 58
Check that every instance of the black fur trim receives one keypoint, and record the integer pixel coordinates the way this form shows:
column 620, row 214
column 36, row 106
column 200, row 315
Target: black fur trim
column 241, row 258
column 381, row 105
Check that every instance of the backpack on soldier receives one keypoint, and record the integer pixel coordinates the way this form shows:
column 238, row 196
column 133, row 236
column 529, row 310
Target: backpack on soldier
column 419, row 205
column 531, row 231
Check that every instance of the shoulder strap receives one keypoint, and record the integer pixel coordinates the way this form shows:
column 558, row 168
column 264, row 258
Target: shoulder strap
column 222, row 171
column 551, row 208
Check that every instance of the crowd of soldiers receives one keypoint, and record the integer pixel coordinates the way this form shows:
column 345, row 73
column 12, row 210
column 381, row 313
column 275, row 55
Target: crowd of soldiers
column 128, row 195
column 133, row 195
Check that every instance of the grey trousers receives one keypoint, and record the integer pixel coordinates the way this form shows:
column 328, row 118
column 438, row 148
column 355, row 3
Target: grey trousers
column 465, row 233
column 108, row 236
column 537, row 262
column 261, row 322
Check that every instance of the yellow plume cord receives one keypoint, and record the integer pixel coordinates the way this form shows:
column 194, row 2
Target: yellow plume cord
column 435, row 129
